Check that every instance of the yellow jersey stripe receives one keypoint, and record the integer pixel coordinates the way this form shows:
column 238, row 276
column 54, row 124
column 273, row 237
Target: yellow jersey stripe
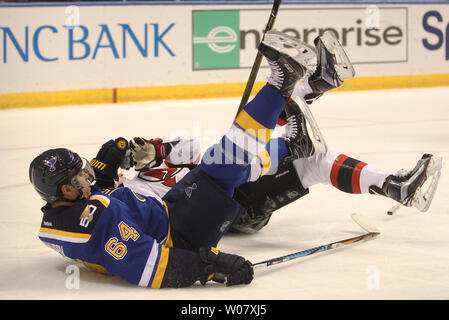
column 64, row 235
column 168, row 241
column 252, row 127
column 161, row 267
column 104, row 200
column 163, row 260
column 265, row 161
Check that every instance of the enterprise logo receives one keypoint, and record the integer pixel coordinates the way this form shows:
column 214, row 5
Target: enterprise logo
column 217, row 36
column 216, row 39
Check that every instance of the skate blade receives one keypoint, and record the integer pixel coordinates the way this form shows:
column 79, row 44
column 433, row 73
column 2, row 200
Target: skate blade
column 302, row 52
column 343, row 65
column 312, row 128
column 424, row 195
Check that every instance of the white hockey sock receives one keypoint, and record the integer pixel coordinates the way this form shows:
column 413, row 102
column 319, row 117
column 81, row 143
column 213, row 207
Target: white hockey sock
column 344, row 173
column 372, row 176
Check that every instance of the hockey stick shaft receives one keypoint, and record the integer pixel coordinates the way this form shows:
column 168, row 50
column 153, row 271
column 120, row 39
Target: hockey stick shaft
column 258, row 60
column 325, row 247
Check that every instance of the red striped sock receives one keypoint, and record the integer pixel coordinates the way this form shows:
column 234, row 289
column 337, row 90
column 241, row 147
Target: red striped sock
column 345, row 174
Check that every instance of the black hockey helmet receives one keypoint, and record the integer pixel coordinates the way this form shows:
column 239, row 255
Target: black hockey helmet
column 54, row 168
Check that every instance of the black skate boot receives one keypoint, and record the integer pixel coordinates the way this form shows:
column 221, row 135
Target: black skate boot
column 406, row 186
column 333, row 66
column 296, row 136
column 289, row 58
column 302, row 134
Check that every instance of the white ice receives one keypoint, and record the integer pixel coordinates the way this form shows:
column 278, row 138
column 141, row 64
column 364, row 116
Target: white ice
column 390, row 129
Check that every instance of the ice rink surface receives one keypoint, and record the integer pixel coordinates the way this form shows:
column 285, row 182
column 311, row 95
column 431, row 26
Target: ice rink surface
column 389, row 129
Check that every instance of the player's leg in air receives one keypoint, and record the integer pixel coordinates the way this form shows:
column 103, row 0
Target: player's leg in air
column 262, row 196
column 228, row 162
column 313, row 163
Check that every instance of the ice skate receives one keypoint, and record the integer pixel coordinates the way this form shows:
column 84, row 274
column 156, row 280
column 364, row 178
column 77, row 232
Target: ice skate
column 303, row 137
column 297, row 137
column 333, row 66
column 289, row 58
column 406, row 187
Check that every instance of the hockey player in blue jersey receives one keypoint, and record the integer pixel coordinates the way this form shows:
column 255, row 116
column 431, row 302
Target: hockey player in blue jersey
column 169, row 242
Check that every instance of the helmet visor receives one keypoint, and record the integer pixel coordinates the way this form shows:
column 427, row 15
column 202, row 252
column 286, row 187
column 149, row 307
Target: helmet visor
column 84, row 177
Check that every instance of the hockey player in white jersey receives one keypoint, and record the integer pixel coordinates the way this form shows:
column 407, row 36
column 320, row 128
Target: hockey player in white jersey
column 262, row 195
column 161, row 164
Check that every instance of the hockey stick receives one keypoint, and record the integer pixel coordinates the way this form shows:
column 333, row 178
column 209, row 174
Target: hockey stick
column 258, row 60
column 358, row 218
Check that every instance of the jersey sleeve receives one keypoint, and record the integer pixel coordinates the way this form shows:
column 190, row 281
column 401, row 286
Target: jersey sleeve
column 124, row 250
column 185, row 152
column 127, row 251
column 141, row 260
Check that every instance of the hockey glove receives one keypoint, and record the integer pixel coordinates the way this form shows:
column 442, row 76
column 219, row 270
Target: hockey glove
column 221, row 267
column 112, row 155
column 149, row 153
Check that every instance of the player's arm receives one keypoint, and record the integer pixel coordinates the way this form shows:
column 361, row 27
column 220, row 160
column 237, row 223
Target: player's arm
column 177, row 153
column 112, row 155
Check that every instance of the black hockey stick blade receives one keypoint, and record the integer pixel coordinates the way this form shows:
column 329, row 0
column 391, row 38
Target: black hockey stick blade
column 258, row 60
